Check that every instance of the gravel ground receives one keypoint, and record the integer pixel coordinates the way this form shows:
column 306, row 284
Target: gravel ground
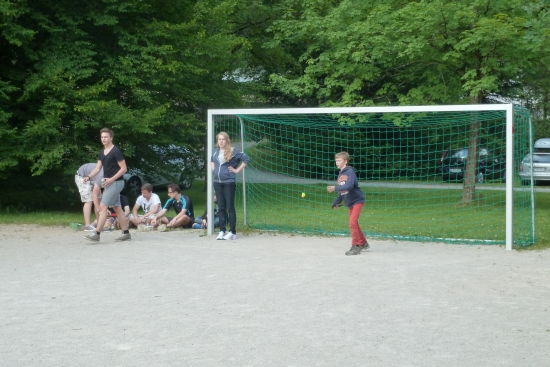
column 183, row 299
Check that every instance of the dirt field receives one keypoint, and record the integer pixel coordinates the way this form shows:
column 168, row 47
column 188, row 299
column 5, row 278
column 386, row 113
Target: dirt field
column 181, row 299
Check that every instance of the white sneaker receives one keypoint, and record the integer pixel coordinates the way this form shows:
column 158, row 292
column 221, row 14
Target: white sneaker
column 221, row 236
column 89, row 229
column 229, row 236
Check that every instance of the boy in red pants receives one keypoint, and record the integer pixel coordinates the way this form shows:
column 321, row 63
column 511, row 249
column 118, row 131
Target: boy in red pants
column 349, row 191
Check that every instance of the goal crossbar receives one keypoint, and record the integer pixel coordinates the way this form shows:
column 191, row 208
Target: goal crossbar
column 508, row 109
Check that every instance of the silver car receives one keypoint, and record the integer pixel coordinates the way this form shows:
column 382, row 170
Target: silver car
column 540, row 165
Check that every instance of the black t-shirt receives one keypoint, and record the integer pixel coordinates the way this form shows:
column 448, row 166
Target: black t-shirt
column 185, row 203
column 110, row 162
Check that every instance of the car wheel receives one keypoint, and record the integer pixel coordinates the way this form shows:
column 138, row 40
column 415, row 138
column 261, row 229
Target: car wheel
column 184, row 183
column 480, row 178
column 133, row 186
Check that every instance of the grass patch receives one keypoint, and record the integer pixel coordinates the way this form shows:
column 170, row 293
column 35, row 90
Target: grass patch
column 11, row 216
column 412, row 219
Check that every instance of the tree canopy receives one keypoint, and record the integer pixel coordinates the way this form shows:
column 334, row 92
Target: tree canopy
column 149, row 69
column 146, row 69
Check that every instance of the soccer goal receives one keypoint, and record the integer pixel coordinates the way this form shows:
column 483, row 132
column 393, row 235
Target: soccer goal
column 417, row 167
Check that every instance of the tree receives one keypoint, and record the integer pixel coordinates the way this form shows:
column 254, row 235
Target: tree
column 408, row 52
column 145, row 68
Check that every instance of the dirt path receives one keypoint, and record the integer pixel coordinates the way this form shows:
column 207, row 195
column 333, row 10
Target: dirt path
column 179, row 299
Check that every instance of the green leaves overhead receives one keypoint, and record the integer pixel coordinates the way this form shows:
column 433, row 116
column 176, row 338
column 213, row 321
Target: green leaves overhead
column 405, row 52
column 146, row 69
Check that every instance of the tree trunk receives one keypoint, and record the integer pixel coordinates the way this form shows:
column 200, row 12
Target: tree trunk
column 469, row 188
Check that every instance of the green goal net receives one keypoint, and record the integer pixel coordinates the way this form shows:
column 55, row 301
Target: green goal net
column 411, row 167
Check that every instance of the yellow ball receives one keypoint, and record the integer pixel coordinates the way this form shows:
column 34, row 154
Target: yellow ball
column 303, row 194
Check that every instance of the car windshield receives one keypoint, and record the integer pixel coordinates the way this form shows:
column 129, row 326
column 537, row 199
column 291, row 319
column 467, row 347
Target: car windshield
column 538, row 158
column 463, row 153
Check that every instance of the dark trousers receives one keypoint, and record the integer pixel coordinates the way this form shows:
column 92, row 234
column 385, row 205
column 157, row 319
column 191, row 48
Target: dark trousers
column 225, row 193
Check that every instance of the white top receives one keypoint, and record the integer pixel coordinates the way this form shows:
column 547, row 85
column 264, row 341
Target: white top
column 148, row 205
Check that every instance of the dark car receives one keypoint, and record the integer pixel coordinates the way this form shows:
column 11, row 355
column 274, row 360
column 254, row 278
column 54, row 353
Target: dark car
column 453, row 165
column 176, row 156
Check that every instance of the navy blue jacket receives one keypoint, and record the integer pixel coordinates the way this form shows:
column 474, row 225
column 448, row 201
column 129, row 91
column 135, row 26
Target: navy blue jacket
column 348, row 188
column 221, row 172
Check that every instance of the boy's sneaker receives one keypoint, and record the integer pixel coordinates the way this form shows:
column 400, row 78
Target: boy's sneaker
column 197, row 226
column 124, row 237
column 162, row 228
column 94, row 237
column 365, row 246
column 229, row 236
column 354, row 250
column 221, row 235
column 89, row 229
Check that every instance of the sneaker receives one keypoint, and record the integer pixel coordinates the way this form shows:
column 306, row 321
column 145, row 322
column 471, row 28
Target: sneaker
column 92, row 237
column 162, row 228
column 229, row 236
column 106, row 229
column 221, row 236
column 365, row 246
column 124, row 237
column 354, row 250
column 89, row 229
column 197, row 226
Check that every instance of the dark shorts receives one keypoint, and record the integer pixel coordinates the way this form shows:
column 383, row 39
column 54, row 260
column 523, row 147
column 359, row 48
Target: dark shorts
column 189, row 225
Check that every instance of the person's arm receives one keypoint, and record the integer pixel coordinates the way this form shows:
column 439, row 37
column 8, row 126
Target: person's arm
column 337, row 201
column 156, row 205
column 349, row 183
column 244, row 161
column 238, row 169
column 120, row 172
column 135, row 218
column 95, row 198
column 160, row 214
column 94, row 172
column 154, row 210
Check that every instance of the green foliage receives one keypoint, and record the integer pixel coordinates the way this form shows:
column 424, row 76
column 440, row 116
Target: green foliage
column 396, row 52
column 146, row 69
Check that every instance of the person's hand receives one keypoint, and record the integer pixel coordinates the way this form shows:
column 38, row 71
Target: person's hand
column 231, row 169
column 204, row 223
column 330, row 188
column 86, row 179
column 154, row 222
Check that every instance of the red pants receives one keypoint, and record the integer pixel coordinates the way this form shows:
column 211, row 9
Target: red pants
column 357, row 236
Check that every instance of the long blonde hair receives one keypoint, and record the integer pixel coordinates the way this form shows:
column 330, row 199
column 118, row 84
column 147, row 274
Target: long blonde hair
column 227, row 149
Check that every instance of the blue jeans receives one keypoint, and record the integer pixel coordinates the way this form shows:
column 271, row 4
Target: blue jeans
column 198, row 220
column 225, row 193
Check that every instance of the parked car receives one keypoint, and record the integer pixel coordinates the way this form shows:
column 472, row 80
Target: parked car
column 540, row 165
column 148, row 172
column 490, row 166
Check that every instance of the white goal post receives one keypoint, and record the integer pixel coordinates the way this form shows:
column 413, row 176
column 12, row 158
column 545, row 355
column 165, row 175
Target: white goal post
column 507, row 108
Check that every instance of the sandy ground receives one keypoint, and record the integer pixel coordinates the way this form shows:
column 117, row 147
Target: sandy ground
column 182, row 299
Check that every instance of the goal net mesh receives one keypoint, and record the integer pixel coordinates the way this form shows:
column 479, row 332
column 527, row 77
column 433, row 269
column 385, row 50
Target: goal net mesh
column 410, row 167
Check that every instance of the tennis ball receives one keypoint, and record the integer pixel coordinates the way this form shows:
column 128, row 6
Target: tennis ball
column 303, row 194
